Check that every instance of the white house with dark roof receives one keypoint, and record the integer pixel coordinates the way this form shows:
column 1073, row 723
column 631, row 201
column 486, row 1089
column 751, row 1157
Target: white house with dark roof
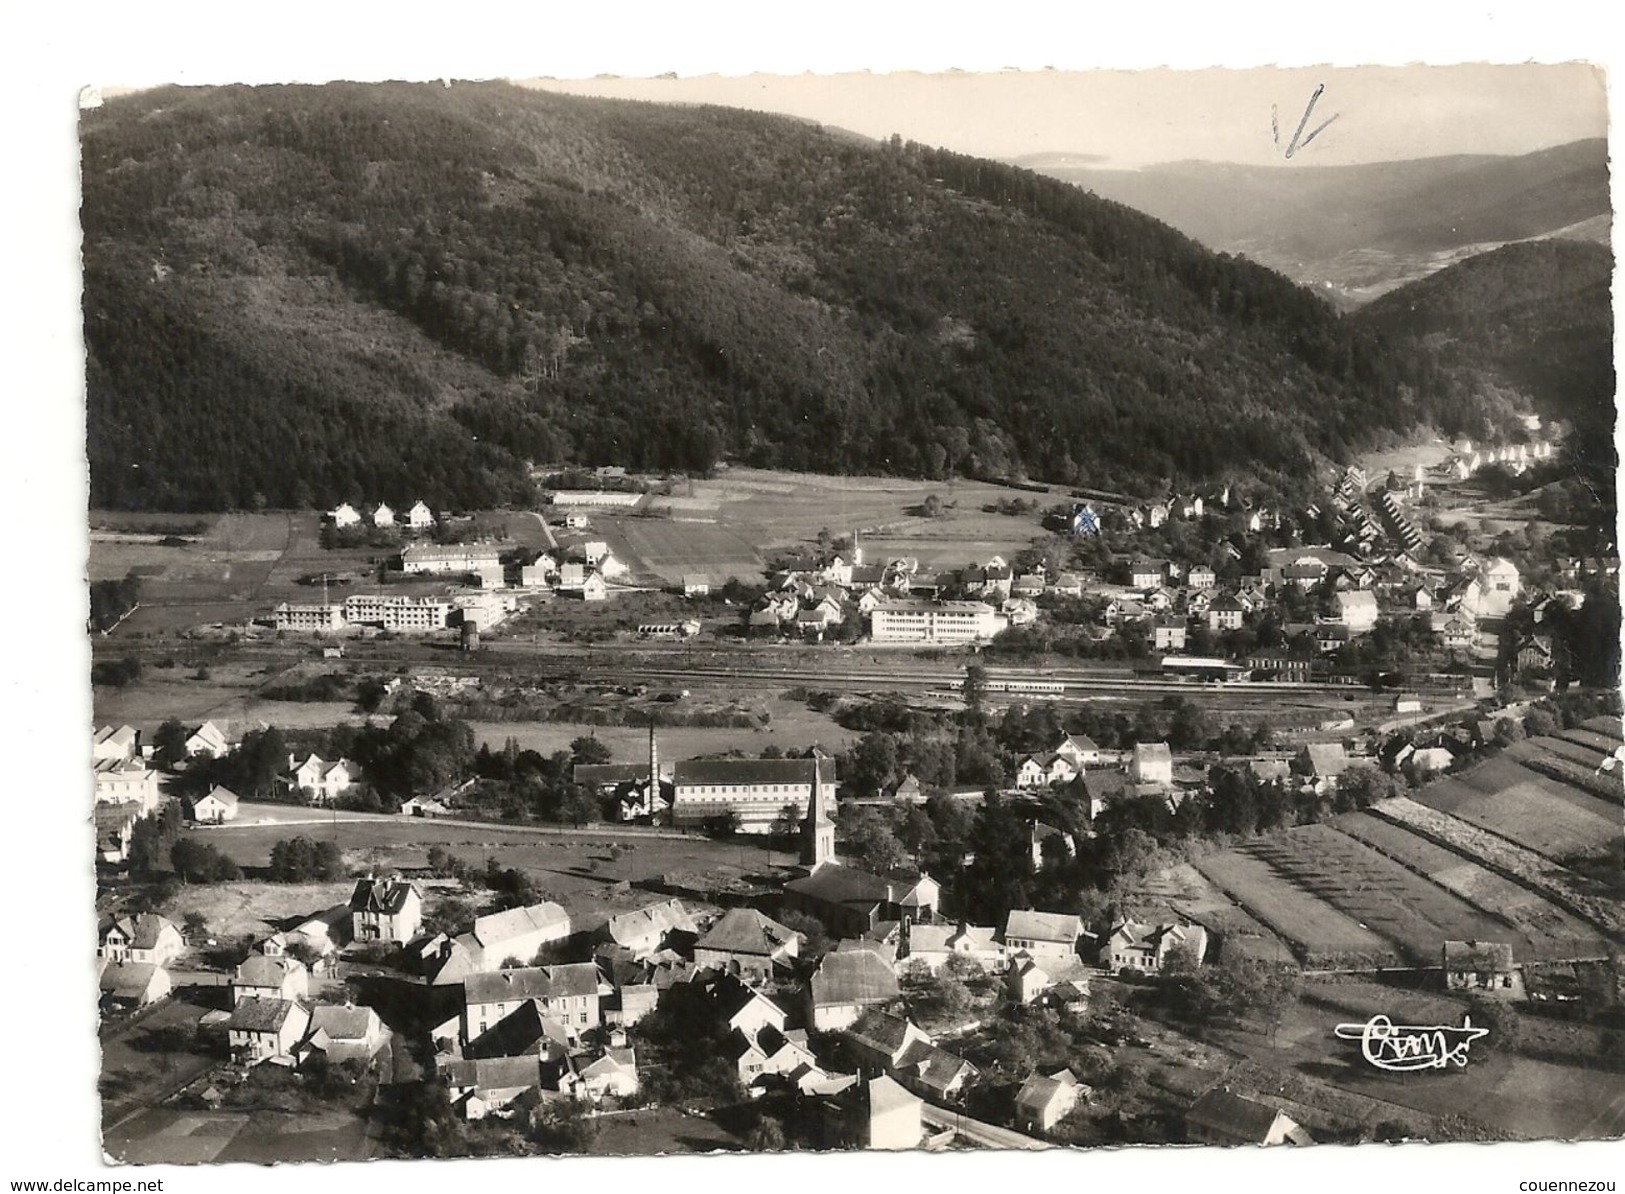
column 1042, row 935
column 568, row 994
column 748, row 944
column 144, row 937
column 419, row 517
column 1136, row 945
column 321, row 781
column 388, row 909
column 261, row 977
column 264, row 1028
column 846, row 984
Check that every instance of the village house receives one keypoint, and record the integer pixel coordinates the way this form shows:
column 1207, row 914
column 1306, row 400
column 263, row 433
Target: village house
column 419, row 517
column 261, row 1029
column 1456, row 633
column 1331, row 636
column 383, row 516
column 850, row 902
column 1168, row 633
column 111, row 744
column 1223, row 1117
column 932, row 945
column 1042, row 935
column 319, row 781
column 1133, row 945
column 485, row 1086
column 908, row 790
column 115, row 830
column 518, row 933
column 526, row 1030
column 1147, row 574
column 144, row 937
column 388, row 909
column 208, row 740
column 1080, row 749
column 344, row 515
column 129, row 986
column 323, row 934
column 343, row 1033
column 260, row 977
column 847, row 983
column 614, row 1075
column 1320, row 764
column 873, row 1114
column 645, row 930
column 1481, row 966
column 747, row 944
column 1152, row 763
column 1501, row 586
column 128, row 781
column 1201, row 577
column 1043, row 771
column 215, row 807
column 450, row 557
column 1045, row 1100
column 1226, row 613
column 567, row 994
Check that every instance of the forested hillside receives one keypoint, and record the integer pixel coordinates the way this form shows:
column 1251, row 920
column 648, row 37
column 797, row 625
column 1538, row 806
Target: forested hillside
column 296, row 295
column 1540, row 314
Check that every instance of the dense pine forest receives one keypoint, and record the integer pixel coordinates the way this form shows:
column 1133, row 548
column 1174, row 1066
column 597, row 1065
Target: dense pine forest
column 297, row 295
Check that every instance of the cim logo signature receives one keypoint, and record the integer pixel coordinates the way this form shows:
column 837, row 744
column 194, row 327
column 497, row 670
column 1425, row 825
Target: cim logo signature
column 1405, row 1047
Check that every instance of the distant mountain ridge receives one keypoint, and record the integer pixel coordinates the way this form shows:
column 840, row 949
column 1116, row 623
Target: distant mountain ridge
column 297, row 295
column 1357, row 231
column 1539, row 314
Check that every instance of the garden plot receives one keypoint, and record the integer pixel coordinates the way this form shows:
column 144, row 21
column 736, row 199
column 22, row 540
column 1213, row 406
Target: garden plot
column 1319, row 933
column 1584, row 898
column 1552, row 933
column 1377, row 892
column 1531, row 809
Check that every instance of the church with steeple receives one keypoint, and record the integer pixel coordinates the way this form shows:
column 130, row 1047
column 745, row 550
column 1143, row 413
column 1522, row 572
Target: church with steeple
column 817, row 827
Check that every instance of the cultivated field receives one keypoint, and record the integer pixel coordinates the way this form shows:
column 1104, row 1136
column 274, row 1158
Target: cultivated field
column 1532, row 809
column 1185, row 891
column 1552, row 932
column 581, row 871
column 791, row 725
column 770, row 509
column 672, row 550
column 1416, row 916
column 1583, row 897
column 173, row 1137
column 1319, row 933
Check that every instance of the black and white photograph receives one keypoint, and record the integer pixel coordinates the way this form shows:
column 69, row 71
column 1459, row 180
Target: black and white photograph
column 1064, row 610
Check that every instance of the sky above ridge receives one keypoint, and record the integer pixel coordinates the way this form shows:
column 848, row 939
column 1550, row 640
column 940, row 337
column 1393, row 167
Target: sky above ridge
column 1132, row 118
